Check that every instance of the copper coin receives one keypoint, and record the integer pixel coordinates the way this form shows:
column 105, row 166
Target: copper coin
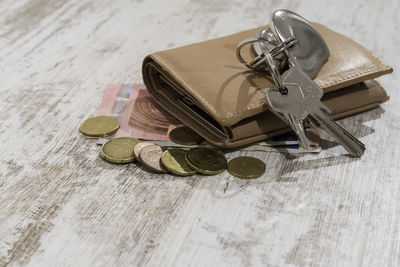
column 150, row 156
column 138, row 147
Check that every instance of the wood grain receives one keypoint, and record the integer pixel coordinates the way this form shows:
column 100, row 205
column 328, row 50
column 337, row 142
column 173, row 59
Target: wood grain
column 61, row 205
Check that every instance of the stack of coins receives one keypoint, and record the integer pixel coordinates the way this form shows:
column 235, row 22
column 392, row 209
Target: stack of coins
column 188, row 157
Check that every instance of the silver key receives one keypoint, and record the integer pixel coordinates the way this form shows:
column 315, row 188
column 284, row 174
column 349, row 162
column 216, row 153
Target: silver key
column 312, row 94
column 292, row 105
column 306, row 58
column 307, row 54
column 295, row 95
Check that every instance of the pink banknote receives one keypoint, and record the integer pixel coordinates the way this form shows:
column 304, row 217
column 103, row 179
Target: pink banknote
column 137, row 112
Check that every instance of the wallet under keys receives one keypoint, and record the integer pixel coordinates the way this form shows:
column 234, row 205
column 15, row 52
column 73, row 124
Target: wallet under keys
column 209, row 90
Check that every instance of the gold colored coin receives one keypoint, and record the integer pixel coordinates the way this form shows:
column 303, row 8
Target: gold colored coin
column 138, row 147
column 150, row 156
column 119, row 150
column 246, row 167
column 174, row 160
column 184, row 136
column 205, row 160
column 99, row 126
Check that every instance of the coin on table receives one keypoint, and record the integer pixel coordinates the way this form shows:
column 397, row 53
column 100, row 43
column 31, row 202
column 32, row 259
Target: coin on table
column 138, row 147
column 99, row 126
column 119, row 150
column 150, row 156
column 184, row 136
column 246, row 167
column 205, row 160
column 174, row 160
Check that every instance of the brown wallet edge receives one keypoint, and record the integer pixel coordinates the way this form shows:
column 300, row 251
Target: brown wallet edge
column 221, row 140
column 153, row 65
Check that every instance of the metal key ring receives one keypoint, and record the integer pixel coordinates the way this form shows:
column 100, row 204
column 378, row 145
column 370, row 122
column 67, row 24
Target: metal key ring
column 283, row 46
column 269, row 60
column 239, row 56
column 260, row 59
column 269, row 56
column 276, row 76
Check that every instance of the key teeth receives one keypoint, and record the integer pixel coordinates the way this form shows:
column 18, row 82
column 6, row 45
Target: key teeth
column 298, row 128
column 352, row 145
column 287, row 118
column 357, row 153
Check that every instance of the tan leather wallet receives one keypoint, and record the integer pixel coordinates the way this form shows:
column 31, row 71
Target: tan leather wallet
column 210, row 91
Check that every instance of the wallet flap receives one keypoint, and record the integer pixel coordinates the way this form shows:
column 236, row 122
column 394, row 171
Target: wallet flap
column 209, row 74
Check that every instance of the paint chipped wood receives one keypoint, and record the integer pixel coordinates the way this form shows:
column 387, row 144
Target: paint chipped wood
column 61, row 205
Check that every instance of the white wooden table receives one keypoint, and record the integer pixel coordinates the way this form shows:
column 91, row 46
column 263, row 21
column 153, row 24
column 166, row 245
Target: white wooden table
column 61, row 205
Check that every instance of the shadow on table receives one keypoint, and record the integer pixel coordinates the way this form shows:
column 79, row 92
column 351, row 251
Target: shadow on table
column 291, row 167
column 358, row 129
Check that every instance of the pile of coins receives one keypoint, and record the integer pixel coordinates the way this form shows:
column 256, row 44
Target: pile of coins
column 187, row 157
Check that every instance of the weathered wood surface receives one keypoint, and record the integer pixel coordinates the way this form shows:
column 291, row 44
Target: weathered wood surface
column 60, row 205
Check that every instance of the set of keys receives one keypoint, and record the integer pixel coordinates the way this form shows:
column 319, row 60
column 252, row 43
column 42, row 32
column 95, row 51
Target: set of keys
column 293, row 46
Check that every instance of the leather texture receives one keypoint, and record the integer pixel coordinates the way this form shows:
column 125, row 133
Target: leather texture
column 233, row 97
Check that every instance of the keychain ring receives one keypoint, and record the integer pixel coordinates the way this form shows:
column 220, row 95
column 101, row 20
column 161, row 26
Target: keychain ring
column 276, row 76
column 267, row 57
column 260, row 59
column 239, row 55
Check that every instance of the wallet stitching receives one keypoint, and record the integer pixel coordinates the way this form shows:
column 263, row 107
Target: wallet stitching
column 366, row 50
column 345, row 76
